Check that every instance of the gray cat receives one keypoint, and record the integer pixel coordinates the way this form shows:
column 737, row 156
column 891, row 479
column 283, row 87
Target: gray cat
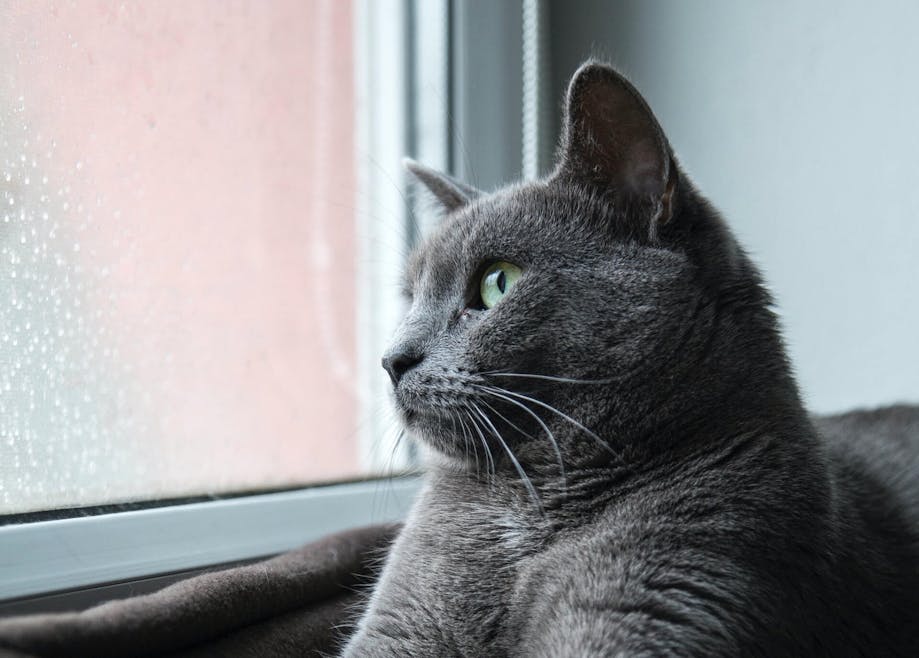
column 621, row 463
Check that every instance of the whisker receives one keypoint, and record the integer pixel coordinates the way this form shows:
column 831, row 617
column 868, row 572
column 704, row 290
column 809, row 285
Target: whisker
column 549, row 407
column 395, row 448
column 510, row 422
column 510, row 453
column 389, row 470
column 467, row 437
column 550, row 378
column 453, row 434
column 475, row 426
column 399, row 190
column 551, row 437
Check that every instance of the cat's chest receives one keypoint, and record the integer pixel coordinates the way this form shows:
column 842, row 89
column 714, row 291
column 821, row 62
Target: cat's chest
column 476, row 554
column 498, row 534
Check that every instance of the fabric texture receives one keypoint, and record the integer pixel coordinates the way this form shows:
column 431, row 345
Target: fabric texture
column 299, row 603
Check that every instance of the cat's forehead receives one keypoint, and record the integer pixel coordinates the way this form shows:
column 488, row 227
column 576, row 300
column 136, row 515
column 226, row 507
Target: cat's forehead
column 519, row 224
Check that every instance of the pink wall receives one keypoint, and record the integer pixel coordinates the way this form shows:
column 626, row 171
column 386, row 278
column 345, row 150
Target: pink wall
column 196, row 159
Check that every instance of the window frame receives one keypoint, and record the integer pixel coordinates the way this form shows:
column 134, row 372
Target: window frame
column 66, row 554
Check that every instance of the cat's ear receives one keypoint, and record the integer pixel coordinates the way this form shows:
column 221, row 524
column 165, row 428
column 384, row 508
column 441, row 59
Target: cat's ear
column 450, row 192
column 612, row 141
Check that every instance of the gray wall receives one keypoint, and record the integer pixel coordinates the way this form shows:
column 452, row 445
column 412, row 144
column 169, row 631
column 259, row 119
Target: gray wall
column 799, row 121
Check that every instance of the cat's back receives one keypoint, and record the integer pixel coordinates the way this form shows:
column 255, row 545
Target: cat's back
column 874, row 465
column 876, row 456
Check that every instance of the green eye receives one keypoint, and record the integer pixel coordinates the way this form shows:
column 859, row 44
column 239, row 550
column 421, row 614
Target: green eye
column 497, row 282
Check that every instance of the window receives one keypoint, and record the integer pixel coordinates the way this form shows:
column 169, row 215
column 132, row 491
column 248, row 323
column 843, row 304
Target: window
column 180, row 256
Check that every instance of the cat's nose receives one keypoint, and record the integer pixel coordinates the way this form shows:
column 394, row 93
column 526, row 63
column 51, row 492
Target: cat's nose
column 398, row 363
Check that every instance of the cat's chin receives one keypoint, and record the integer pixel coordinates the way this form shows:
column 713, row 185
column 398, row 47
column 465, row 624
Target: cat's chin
column 422, row 424
column 437, row 431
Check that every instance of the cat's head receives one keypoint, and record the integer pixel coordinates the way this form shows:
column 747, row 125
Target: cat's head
column 546, row 317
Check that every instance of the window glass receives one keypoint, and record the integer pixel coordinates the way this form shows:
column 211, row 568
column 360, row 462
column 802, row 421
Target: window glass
column 177, row 249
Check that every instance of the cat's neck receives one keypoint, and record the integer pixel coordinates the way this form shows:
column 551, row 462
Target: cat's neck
column 651, row 431
column 655, row 453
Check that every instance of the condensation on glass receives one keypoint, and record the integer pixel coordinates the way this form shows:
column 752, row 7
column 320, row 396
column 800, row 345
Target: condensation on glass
column 177, row 249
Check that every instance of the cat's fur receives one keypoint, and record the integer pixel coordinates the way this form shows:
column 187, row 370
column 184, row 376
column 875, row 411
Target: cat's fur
column 700, row 511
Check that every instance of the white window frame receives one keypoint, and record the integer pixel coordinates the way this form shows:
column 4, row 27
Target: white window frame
column 64, row 554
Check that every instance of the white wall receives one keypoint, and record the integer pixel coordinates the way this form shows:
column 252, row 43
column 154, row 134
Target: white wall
column 799, row 121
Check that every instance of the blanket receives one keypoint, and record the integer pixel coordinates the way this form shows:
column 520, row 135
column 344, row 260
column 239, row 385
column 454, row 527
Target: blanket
column 300, row 603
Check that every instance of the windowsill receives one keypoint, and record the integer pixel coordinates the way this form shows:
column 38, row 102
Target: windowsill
column 46, row 557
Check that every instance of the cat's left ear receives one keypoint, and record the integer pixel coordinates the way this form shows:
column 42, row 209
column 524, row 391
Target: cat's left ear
column 612, row 142
column 450, row 192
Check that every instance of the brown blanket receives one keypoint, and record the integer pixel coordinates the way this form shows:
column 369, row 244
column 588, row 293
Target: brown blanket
column 300, row 603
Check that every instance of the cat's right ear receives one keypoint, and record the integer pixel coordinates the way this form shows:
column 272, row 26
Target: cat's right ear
column 449, row 192
column 612, row 142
